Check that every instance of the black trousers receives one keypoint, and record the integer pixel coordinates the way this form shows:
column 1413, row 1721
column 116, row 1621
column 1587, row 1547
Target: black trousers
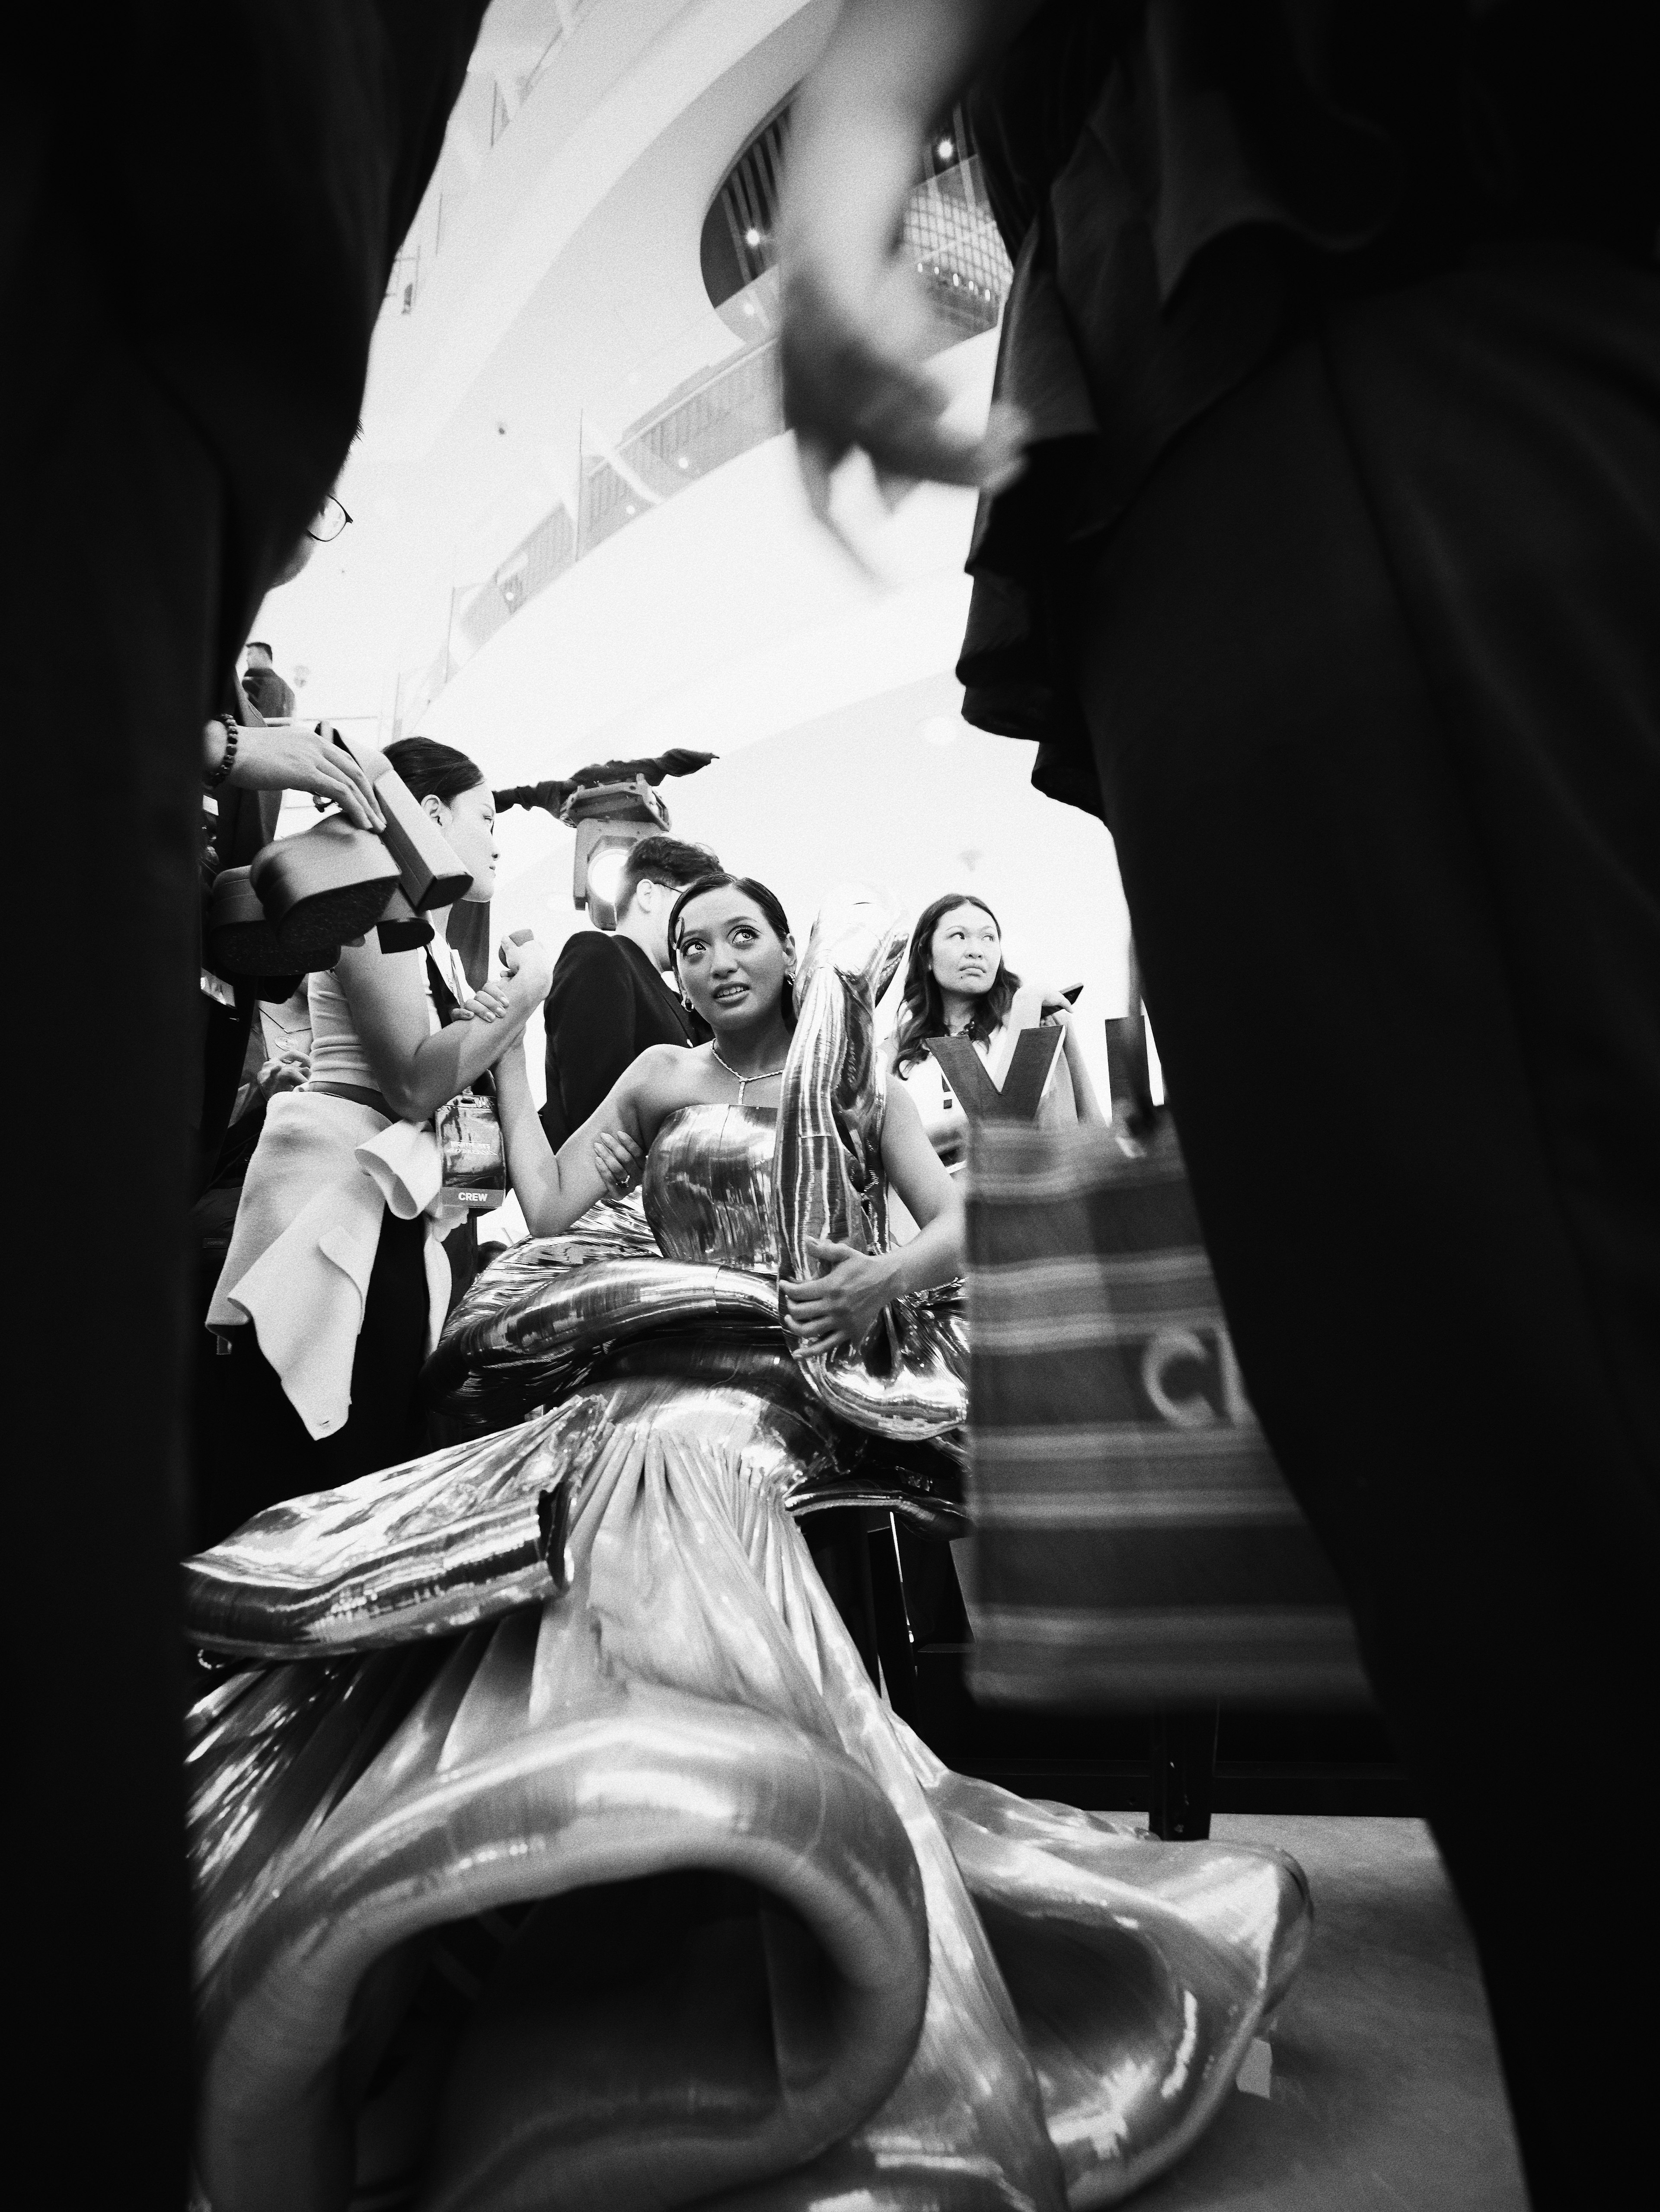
column 260, row 1451
column 1373, row 671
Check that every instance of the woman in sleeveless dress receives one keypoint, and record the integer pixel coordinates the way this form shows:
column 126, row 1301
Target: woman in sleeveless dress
column 552, row 1844
column 957, row 983
column 336, row 1283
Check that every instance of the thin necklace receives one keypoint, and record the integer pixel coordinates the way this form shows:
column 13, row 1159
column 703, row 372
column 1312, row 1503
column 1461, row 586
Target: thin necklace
column 742, row 1081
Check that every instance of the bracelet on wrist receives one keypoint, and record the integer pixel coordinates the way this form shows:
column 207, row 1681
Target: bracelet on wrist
column 214, row 776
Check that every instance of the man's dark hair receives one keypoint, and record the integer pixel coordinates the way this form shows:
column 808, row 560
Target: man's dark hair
column 669, row 860
column 258, row 645
column 432, row 770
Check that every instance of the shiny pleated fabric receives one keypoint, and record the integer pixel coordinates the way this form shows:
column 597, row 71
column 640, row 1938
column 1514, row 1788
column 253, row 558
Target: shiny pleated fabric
column 743, row 1928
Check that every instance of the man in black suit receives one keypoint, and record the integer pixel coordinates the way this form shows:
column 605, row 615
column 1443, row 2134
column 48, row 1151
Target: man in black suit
column 272, row 693
column 609, row 999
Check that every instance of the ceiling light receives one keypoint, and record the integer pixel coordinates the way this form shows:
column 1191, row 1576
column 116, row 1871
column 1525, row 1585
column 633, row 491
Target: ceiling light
column 940, row 729
column 752, row 236
column 945, row 149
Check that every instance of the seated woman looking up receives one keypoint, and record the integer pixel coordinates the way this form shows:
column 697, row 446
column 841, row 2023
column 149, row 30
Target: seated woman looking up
column 336, row 1283
column 958, row 984
column 735, row 958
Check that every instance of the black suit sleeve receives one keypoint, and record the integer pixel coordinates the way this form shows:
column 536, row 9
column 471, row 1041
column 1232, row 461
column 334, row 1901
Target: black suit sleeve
column 591, row 1030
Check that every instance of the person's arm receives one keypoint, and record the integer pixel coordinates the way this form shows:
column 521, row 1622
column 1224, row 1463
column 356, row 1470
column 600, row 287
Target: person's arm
column 1083, row 1091
column 415, row 1070
column 553, row 1188
column 857, row 332
column 294, row 760
column 841, row 1305
column 1059, row 1010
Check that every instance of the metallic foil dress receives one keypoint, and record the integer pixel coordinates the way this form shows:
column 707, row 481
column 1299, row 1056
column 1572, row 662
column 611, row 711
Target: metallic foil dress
column 552, row 1846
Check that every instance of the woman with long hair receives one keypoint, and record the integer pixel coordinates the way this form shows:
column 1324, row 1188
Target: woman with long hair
column 336, row 1283
column 569, row 1854
column 957, row 983
column 735, row 958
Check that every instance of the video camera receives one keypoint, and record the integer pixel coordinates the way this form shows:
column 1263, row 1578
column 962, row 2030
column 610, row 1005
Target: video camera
column 301, row 898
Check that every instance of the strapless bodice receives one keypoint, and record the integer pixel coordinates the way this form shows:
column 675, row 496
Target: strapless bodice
column 708, row 1185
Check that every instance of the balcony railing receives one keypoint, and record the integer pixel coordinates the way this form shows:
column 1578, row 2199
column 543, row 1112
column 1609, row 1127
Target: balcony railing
column 485, row 111
column 713, row 418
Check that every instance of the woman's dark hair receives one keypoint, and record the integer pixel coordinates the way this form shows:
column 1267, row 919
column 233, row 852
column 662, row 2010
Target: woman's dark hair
column 432, row 770
column 924, row 1009
column 718, row 879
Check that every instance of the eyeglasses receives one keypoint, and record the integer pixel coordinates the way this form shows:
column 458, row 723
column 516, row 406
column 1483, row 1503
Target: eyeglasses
column 328, row 522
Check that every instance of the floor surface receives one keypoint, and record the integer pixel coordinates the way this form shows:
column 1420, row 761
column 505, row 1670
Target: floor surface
column 1382, row 2079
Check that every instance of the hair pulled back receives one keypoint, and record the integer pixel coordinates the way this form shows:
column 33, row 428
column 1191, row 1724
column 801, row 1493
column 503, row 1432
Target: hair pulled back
column 670, row 860
column 924, row 1009
column 432, row 770
column 719, row 880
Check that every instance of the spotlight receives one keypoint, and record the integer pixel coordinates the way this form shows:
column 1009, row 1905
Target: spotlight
column 611, row 806
column 610, row 820
column 945, row 149
column 605, row 872
column 752, row 236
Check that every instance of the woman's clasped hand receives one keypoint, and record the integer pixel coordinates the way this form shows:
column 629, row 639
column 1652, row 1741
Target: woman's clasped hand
column 618, row 1157
column 842, row 1305
column 525, row 961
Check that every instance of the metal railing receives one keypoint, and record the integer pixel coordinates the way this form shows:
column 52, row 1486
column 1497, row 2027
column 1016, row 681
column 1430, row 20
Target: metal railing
column 718, row 414
column 959, row 250
column 453, row 177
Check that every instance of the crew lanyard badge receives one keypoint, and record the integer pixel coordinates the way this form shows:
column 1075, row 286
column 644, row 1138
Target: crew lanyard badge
column 469, row 1132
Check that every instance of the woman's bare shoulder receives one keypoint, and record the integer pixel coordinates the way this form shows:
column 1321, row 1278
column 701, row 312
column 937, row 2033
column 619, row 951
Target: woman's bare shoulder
column 675, row 1064
column 665, row 1076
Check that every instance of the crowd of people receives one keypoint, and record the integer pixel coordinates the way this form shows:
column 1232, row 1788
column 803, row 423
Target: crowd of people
column 1317, row 553
column 661, row 1396
column 330, row 1267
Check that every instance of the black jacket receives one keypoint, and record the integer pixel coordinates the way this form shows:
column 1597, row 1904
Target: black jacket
column 606, row 1003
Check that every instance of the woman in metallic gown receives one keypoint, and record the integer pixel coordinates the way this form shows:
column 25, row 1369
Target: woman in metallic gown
column 551, row 1844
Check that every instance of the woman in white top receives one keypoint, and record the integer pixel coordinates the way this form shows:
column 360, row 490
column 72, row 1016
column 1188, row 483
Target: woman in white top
column 957, row 983
column 335, row 1282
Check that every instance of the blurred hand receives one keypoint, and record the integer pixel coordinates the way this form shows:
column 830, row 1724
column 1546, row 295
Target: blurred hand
column 619, row 1159
column 857, row 330
column 288, row 1071
column 302, row 760
column 842, row 1305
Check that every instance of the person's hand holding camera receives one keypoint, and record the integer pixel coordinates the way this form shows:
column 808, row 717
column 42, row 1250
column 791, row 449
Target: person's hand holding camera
column 288, row 758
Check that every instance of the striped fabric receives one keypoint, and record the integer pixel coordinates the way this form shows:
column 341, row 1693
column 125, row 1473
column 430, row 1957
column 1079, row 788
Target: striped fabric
column 1135, row 1542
